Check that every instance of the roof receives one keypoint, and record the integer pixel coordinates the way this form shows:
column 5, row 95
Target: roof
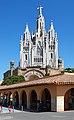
column 61, row 79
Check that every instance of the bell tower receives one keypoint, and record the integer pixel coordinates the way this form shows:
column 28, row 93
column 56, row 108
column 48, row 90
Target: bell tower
column 40, row 22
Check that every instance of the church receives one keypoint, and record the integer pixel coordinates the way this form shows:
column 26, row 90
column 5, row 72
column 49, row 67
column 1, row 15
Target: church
column 45, row 80
column 39, row 49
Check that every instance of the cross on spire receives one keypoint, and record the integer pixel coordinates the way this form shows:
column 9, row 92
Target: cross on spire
column 40, row 9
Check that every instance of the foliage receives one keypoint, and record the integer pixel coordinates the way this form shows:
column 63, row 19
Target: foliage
column 47, row 74
column 12, row 80
column 69, row 70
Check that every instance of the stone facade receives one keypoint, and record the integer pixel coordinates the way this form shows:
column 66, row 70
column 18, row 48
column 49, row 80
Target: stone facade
column 41, row 48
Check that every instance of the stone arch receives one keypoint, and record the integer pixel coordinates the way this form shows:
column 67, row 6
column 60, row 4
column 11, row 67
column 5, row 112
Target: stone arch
column 1, row 98
column 6, row 100
column 33, row 72
column 16, row 99
column 24, row 99
column 46, row 98
column 33, row 100
column 69, row 99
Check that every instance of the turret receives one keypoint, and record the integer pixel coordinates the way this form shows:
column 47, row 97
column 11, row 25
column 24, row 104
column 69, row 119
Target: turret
column 60, row 63
column 12, row 66
column 51, row 25
column 51, row 32
column 27, row 35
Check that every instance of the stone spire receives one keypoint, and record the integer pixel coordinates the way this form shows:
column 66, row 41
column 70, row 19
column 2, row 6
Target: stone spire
column 27, row 29
column 40, row 22
column 51, row 25
column 27, row 34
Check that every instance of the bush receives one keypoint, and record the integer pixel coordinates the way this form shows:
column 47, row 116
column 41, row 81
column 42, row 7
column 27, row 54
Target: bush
column 47, row 74
column 12, row 80
column 69, row 70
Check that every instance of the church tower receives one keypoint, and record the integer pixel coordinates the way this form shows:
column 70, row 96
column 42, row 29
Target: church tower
column 25, row 49
column 53, row 47
column 40, row 28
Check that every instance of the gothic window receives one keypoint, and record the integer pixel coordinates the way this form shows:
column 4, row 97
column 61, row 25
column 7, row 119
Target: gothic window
column 37, row 25
column 39, row 43
column 24, row 37
column 34, row 60
column 49, row 35
column 51, row 55
column 45, row 42
column 40, row 25
column 26, row 57
column 26, row 33
column 40, row 33
column 51, row 47
column 23, row 43
column 38, row 59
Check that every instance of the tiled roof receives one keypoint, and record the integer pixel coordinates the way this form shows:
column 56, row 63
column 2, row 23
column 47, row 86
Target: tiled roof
column 56, row 79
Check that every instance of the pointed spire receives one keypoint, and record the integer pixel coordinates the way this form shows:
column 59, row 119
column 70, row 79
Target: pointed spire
column 40, row 9
column 27, row 29
column 51, row 25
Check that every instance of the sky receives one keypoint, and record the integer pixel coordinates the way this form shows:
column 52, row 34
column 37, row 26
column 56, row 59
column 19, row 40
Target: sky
column 14, row 14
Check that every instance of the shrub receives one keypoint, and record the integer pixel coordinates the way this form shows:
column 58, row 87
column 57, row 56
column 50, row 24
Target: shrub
column 12, row 80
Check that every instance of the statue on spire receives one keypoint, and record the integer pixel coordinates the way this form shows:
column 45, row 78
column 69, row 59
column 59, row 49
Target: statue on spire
column 40, row 9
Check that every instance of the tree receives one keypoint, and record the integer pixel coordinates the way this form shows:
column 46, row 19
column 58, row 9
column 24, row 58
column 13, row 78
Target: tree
column 69, row 70
column 13, row 79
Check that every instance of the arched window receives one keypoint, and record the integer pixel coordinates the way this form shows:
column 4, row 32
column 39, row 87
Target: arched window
column 26, row 57
column 51, row 55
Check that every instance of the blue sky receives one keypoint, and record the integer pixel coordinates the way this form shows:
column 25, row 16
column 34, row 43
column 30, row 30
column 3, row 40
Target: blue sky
column 14, row 14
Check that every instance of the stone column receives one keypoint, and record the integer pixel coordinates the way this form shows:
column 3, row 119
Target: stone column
column 60, row 103
column 38, row 100
column 20, row 101
column 53, row 104
column 28, row 102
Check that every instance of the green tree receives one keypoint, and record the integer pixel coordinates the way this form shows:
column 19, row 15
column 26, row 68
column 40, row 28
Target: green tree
column 69, row 70
column 13, row 79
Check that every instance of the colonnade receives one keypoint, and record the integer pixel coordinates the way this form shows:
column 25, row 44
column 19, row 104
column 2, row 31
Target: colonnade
column 56, row 98
column 26, row 98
